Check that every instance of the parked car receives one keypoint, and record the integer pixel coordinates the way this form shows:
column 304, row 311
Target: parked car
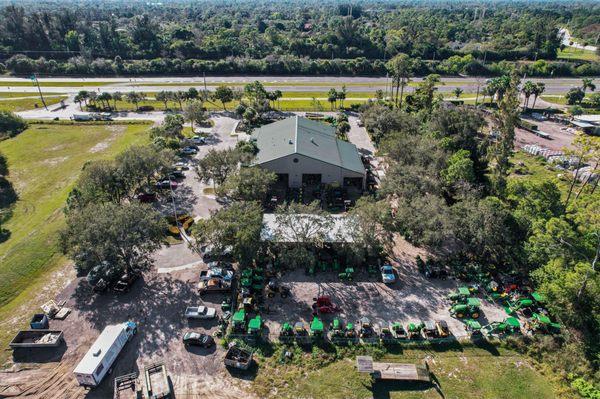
column 200, row 312
column 189, row 151
column 216, row 272
column 211, row 253
column 198, row 339
column 146, row 197
column 181, row 165
column 166, row 183
column 198, row 140
column 177, row 174
column 387, row 274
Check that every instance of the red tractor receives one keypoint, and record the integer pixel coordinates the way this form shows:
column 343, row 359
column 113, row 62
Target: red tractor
column 323, row 304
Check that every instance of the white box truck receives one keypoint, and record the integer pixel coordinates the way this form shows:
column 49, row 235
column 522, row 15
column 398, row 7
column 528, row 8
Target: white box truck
column 97, row 361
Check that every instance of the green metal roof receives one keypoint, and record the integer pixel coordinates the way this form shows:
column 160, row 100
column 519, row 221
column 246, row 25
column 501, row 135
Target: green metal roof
column 298, row 135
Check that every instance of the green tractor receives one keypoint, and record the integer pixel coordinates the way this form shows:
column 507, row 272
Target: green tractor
column 468, row 309
column 509, row 326
column 473, row 328
column 238, row 322
column 350, row 331
column 255, row 326
column 286, row 335
column 542, row 323
column 459, row 295
column 413, row 330
column 398, row 332
column 316, row 328
column 336, row 329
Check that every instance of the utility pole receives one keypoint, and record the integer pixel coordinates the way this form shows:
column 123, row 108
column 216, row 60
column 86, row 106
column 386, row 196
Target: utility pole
column 33, row 77
column 204, row 76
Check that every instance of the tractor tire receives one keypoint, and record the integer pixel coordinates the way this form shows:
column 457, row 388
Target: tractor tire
column 475, row 315
column 270, row 295
column 460, row 315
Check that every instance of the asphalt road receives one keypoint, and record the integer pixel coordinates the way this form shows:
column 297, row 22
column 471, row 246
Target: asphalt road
column 284, row 83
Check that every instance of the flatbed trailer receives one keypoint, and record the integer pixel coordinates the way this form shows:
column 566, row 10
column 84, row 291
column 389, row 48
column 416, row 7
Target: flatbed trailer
column 128, row 386
column 37, row 339
column 157, row 381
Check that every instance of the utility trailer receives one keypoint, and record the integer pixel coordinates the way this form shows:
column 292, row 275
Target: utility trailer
column 37, row 339
column 128, row 386
column 238, row 358
column 157, row 381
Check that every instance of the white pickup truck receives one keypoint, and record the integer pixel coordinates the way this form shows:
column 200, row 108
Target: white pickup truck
column 200, row 312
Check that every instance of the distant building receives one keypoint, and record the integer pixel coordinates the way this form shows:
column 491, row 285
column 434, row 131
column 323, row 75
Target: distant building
column 301, row 151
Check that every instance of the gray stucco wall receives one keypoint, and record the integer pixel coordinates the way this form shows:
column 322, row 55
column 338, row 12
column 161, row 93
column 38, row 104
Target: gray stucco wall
column 305, row 165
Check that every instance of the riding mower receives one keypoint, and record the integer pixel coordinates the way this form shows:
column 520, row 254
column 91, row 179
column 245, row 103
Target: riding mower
column 460, row 295
column 510, row 325
column 316, row 328
column 272, row 289
column 468, row 309
column 350, row 331
column 429, row 331
column 385, row 334
column 366, row 328
column 413, row 330
column 323, row 304
column 336, row 329
column 473, row 327
column 286, row 335
column 398, row 332
column 301, row 334
column 255, row 326
column 347, row 275
column 542, row 323
column 238, row 322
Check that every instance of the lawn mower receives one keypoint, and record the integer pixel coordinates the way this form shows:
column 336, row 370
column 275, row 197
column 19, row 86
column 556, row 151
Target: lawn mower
column 301, row 334
column 255, row 326
column 336, row 328
column 398, row 332
column 347, row 275
column 238, row 322
column 413, row 330
column 366, row 328
column 316, row 328
column 473, row 327
column 429, row 330
column 542, row 323
column 286, row 334
column 510, row 325
column 272, row 289
column 385, row 334
column 468, row 309
column 323, row 304
column 349, row 331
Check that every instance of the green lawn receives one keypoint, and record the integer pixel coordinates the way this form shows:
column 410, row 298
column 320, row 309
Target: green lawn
column 572, row 53
column 27, row 82
column 464, row 372
column 26, row 94
column 27, row 104
column 44, row 162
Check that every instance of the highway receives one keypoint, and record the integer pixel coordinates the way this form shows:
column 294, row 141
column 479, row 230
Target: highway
column 284, row 83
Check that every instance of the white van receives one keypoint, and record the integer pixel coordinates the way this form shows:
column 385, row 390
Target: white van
column 97, row 361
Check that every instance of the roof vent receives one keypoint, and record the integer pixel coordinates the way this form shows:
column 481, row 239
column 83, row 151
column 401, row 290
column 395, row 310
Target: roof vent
column 312, row 140
column 98, row 352
column 290, row 141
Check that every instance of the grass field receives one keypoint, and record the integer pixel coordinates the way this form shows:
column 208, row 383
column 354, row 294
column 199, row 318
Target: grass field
column 27, row 82
column 572, row 53
column 25, row 94
column 26, row 104
column 459, row 372
column 44, row 162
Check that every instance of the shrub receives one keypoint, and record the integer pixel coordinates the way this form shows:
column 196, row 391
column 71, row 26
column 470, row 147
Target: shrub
column 11, row 124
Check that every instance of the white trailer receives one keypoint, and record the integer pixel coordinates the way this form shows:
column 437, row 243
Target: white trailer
column 82, row 117
column 99, row 358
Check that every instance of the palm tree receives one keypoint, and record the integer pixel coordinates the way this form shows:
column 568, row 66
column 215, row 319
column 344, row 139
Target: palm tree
column 332, row 97
column 527, row 90
column 92, row 97
column 78, row 100
column 278, row 94
column 164, row 97
column 83, row 95
column 116, row 96
column 134, row 98
column 104, row 99
column 400, row 68
column 341, row 95
column 587, row 83
column 538, row 90
column 457, row 92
